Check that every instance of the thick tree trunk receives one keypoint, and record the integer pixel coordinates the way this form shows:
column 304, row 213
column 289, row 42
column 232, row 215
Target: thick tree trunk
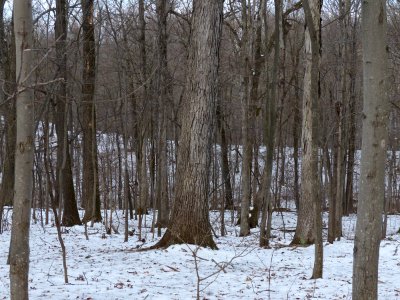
column 373, row 151
column 19, row 247
column 65, row 184
column 189, row 219
column 310, row 184
column 309, row 223
column 90, row 187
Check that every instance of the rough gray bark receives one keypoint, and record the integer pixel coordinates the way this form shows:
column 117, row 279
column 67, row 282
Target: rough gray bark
column 65, row 186
column 162, row 182
column 373, row 150
column 90, row 186
column 189, row 221
column 309, row 224
column 19, row 247
column 305, row 224
column 143, row 130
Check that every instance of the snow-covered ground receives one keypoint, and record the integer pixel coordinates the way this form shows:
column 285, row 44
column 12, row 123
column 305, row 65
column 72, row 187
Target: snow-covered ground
column 104, row 267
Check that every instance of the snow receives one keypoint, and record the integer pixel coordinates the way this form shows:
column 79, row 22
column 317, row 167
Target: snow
column 104, row 267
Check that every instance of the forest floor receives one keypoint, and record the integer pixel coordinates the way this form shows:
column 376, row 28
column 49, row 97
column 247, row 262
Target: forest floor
column 104, row 267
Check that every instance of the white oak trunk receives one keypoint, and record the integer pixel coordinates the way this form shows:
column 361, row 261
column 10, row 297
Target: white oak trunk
column 189, row 218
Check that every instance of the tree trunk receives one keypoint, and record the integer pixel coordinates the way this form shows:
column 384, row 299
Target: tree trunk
column 373, row 150
column 349, row 206
column 254, row 102
column 162, row 168
column 142, row 143
column 65, row 185
column 225, row 170
column 7, row 55
column 309, row 223
column 190, row 219
column 295, row 132
column 19, row 247
column 305, row 223
column 341, row 107
column 90, row 187
column 270, row 126
column 246, row 139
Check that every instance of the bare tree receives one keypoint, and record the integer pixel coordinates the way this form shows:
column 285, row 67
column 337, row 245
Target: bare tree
column 19, row 247
column 373, row 150
column 310, row 180
column 164, row 97
column 189, row 221
column 90, row 186
column 310, row 183
column 270, row 130
column 65, row 184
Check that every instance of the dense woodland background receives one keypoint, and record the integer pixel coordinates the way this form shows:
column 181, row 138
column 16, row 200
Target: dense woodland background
column 112, row 92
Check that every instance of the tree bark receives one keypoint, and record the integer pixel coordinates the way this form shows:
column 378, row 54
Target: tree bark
column 270, row 126
column 246, row 139
column 225, row 169
column 341, row 108
column 164, row 98
column 373, row 150
column 349, row 205
column 309, row 223
column 19, row 247
column 7, row 55
column 310, row 184
column 189, row 218
column 90, row 186
column 65, row 185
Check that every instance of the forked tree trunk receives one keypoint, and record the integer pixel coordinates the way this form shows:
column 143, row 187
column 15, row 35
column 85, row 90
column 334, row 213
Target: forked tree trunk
column 373, row 150
column 190, row 216
column 19, row 247
column 90, row 187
